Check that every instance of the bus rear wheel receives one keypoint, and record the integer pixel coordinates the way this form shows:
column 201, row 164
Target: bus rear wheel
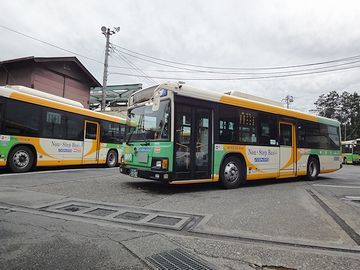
column 21, row 159
column 112, row 159
column 313, row 169
column 232, row 173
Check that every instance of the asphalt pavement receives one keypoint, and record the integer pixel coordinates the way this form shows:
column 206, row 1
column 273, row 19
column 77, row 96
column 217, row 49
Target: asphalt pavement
column 95, row 218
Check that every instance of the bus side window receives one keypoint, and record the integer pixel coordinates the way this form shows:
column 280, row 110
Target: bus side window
column 54, row 125
column 90, row 132
column 17, row 120
column 122, row 132
column 268, row 130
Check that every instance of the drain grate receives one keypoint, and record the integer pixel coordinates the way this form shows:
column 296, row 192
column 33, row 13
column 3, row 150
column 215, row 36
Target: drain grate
column 73, row 208
column 132, row 216
column 101, row 212
column 177, row 259
column 125, row 214
column 163, row 220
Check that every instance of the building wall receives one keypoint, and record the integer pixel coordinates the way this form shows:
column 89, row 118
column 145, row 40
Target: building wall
column 61, row 85
column 64, row 79
column 21, row 75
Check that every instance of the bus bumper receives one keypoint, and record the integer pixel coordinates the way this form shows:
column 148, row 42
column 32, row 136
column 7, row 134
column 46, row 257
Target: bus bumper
column 162, row 176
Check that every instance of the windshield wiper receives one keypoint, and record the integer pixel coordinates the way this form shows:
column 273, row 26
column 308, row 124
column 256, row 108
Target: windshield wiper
column 129, row 137
column 145, row 139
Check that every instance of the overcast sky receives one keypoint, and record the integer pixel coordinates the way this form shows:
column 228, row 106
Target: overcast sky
column 223, row 33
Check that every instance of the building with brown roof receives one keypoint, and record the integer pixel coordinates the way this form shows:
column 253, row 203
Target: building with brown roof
column 61, row 76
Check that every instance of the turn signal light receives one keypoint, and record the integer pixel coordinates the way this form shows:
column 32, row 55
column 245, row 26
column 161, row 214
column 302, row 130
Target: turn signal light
column 164, row 164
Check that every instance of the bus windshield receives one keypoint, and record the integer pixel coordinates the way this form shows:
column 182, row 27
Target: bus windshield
column 357, row 148
column 149, row 124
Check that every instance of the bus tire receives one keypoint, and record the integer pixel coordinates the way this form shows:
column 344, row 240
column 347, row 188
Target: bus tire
column 313, row 168
column 232, row 172
column 21, row 159
column 112, row 158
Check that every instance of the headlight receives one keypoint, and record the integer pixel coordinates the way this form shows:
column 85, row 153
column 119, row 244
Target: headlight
column 158, row 164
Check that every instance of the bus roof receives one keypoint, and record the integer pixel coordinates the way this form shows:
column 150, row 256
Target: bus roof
column 185, row 90
column 17, row 94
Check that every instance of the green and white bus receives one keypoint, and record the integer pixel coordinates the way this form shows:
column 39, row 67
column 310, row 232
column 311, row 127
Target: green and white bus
column 188, row 135
column 40, row 129
column 351, row 151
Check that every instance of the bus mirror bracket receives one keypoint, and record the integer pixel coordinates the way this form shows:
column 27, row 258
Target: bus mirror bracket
column 156, row 103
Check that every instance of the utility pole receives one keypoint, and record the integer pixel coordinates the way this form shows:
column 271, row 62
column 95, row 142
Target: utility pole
column 288, row 99
column 107, row 32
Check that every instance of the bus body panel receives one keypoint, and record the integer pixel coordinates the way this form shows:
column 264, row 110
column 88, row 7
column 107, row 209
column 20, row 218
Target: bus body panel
column 56, row 150
column 271, row 159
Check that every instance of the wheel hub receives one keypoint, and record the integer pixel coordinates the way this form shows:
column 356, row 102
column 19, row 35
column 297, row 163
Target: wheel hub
column 231, row 172
column 21, row 159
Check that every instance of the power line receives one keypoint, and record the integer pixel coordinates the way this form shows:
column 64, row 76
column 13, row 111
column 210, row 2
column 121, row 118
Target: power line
column 263, row 75
column 241, row 68
column 238, row 73
column 126, row 60
column 242, row 73
column 241, row 78
column 52, row 45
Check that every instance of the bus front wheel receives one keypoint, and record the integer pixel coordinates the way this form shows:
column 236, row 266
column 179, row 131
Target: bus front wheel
column 232, row 173
column 112, row 159
column 21, row 159
column 313, row 168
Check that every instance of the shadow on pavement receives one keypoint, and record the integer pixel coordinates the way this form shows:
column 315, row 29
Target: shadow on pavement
column 161, row 188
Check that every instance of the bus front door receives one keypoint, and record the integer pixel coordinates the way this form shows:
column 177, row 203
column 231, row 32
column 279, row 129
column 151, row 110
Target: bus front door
column 287, row 164
column 91, row 142
column 192, row 142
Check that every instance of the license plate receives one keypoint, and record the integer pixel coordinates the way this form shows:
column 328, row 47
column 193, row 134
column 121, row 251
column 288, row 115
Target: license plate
column 133, row 173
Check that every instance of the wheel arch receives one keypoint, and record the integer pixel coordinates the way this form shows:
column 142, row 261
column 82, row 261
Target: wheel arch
column 233, row 154
column 32, row 148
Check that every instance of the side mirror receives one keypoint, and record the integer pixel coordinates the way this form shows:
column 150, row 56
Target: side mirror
column 156, row 103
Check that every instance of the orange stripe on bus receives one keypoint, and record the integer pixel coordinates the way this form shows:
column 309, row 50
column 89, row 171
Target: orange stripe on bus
column 61, row 106
column 226, row 99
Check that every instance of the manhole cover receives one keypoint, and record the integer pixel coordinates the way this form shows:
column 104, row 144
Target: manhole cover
column 73, row 208
column 163, row 220
column 177, row 259
column 101, row 212
column 132, row 216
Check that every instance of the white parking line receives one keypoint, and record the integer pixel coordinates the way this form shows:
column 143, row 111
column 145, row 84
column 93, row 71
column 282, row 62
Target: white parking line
column 51, row 171
column 334, row 186
column 353, row 198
